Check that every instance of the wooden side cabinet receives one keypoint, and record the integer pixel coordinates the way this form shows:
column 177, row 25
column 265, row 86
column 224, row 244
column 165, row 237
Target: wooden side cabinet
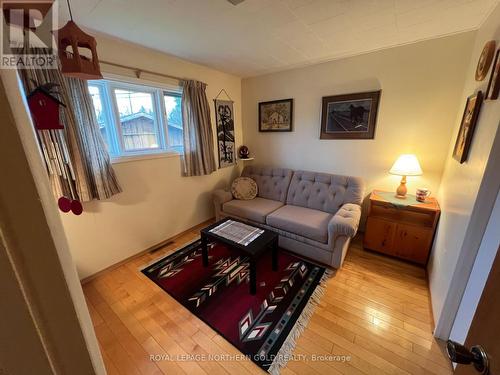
column 402, row 231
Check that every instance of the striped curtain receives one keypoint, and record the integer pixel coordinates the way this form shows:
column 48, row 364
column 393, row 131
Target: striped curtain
column 199, row 157
column 77, row 161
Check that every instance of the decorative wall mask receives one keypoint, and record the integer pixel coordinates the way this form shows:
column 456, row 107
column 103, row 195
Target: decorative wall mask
column 484, row 62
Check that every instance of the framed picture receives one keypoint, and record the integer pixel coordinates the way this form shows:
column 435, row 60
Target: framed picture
column 494, row 82
column 224, row 118
column 276, row 116
column 349, row 116
column 464, row 138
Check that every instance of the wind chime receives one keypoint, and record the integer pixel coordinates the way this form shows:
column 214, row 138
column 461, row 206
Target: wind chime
column 44, row 107
column 77, row 51
column 78, row 59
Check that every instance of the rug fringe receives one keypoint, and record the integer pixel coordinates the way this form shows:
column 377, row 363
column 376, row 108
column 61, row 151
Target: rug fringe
column 300, row 325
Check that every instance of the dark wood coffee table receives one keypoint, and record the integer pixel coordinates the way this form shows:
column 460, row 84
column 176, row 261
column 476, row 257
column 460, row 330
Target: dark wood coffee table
column 265, row 241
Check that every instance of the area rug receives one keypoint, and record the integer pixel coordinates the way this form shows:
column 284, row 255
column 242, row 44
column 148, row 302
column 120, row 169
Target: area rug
column 263, row 326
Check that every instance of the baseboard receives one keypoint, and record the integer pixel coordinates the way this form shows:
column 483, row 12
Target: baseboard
column 433, row 322
column 150, row 249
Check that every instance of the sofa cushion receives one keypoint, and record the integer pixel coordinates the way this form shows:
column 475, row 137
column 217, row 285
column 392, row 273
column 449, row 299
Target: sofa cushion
column 303, row 221
column 272, row 183
column 325, row 192
column 256, row 209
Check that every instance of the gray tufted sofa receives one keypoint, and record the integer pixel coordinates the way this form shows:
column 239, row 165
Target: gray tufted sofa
column 315, row 214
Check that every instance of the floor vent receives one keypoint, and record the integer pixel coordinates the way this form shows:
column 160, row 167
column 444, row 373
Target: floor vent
column 160, row 246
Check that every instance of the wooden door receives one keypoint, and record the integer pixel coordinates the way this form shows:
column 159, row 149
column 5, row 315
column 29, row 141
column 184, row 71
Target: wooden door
column 380, row 235
column 485, row 327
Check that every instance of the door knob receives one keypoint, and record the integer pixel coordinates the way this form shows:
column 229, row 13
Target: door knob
column 476, row 355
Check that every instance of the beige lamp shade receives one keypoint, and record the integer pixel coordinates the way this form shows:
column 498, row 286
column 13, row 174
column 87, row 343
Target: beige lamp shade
column 406, row 165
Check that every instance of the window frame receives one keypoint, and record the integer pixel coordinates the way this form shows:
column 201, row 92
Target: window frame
column 114, row 131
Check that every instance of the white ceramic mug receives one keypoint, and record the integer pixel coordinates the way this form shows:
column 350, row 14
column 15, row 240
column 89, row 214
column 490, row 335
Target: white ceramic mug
column 422, row 194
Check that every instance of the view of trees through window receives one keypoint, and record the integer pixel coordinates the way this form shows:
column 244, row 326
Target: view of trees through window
column 133, row 118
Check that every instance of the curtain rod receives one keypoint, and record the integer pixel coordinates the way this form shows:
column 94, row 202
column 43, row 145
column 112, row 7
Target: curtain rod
column 139, row 71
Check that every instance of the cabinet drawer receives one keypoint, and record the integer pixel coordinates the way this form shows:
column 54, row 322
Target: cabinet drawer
column 403, row 215
column 412, row 242
column 379, row 235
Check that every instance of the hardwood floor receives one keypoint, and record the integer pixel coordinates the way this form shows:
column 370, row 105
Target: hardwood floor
column 376, row 310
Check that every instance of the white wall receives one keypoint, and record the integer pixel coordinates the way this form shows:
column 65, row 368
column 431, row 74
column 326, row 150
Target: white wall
column 156, row 203
column 421, row 89
column 461, row 182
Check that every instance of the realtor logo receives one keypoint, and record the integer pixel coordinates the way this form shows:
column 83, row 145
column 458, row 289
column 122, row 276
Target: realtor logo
column 26, row 34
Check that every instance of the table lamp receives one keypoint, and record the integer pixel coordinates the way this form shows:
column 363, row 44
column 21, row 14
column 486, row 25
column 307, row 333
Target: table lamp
column 405, row 165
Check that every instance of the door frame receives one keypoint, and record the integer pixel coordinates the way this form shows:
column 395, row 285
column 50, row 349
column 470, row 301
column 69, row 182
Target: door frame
column 36, row 249
column 485, row 321
column 480, row 216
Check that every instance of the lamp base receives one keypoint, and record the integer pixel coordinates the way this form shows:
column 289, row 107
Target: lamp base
column 401, row 190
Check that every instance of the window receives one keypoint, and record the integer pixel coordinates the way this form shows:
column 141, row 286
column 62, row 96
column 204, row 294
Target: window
column 96, row 94
column 136, row 119
column 138, row 127
column 174, row 120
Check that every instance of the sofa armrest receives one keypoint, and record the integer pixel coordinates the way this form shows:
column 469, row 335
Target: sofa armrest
column 220, row 197
column 345, row 222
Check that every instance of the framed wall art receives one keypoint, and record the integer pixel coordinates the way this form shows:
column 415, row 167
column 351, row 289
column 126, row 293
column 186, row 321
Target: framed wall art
column 466, row 131
column 350, row 116
column 224, row 118
column 276, row 116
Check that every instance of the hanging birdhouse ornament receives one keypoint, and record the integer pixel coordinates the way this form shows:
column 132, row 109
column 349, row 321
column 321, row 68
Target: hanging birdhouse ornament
column 44, row 107
column 77, row 53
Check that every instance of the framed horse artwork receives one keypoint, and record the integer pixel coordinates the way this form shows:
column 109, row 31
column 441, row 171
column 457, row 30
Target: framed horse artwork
column 350, row 116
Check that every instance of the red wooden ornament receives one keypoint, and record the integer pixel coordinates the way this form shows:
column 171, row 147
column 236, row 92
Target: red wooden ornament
column 67, row 205
column 64, row 204
column 44, row 109
column 71, row 42
column 76, row 207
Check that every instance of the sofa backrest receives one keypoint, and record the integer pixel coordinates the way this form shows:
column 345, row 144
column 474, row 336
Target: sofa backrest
column 325, row 192
column 272, row 183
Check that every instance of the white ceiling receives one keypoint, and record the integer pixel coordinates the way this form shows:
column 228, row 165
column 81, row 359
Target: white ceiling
column 260, row 36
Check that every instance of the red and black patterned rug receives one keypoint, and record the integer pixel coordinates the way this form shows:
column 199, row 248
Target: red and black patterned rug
column 263, row 326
